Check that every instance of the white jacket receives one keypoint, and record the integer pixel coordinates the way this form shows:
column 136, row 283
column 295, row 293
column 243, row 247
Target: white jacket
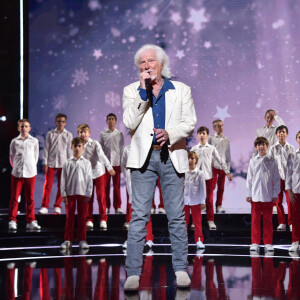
column 180, row 121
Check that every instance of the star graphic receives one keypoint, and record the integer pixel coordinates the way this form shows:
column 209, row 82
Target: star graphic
column 180, row 54
column 176, row 18
column 222, row 113
column 97, row 53
column 207, row 44
column 198, row 18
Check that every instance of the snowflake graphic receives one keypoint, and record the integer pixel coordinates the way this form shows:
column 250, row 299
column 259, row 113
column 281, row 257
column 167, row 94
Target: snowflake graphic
column 180, row 54
column 80, row 77
column 222, row 113
column 94, row 5
column 198, row 18
column 149, row 20
column 112, row 99
column 97, row 53
column 176, row 18
column 59, row 102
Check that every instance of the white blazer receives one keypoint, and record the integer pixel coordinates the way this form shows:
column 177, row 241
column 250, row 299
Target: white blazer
column 180, row 121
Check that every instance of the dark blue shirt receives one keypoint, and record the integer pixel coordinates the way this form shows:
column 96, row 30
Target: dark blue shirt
column 159, row 105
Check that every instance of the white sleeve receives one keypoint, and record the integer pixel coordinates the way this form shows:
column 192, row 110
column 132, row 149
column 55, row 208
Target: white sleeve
column 89, row 180
column 69, row 146
column 202, row 189
column 46, row 149
column 63, row 180
column 102, row 157
column 276, row 180
column 289, row 172
column 12, row 152
column 228, row 155
column 249, row 180
column 36, row 151
column 279, row 120
column 217, row 157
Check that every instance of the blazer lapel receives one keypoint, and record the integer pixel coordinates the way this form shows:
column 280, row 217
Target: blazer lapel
column 170, row 98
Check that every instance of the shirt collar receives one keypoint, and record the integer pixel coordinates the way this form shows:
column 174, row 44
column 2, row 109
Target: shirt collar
column 193, row 171
column 89, row 141
column 21, row 138
column 217, row 136
column 206, row 145
column 73, row 158
column 286, row 144
column 56, row 130
column 107, row 130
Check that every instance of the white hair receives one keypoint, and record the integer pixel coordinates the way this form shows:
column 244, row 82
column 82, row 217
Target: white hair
column 161, row 56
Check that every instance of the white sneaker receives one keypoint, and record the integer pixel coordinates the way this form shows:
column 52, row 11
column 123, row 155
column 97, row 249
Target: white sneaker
column 254, row 247
column 10, row 266
column 291, row 228
column 119, row 211
column 132, row 283
column 33, row 225
column 269, row 248
column 89, row 225
column 12, row 225
column 43, row 210
column 182, row 279
column 200, row 245
column 211, row 225
column 281, row 227
column 150, row 244
column 199, row 253
column 161, row 210
column 126, row 226
column 57, row 210
column 152, row 210
column 192, row 226
column 294, row 247
column 84, row 245
column 125, row 245
column 220, row 210
column 274, row 209
column 66, row 245
column 103, row 225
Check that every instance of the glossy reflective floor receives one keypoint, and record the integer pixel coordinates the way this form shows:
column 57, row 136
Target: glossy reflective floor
column 219, row 272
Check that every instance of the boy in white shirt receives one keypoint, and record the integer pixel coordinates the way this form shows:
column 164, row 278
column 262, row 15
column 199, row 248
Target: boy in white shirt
column 194, row 197
column 57, row 150
column 280, row 152
column 94, row 153
column 292, row 186
column 76, row 186
column 23, row 156
column 208, row 155
column 222, row 144
column 269, row 130
column 112, row 142
column 263, row 186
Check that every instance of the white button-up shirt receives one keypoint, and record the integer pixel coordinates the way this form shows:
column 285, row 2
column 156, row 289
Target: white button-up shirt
column 269, row 133
column 23, row 156
column 57, row 148
column 126, row 171
column 76, row 178
column 292, row 177
column 208, row 155
column 280, row 154
column 94, row 153
column 112, row 143
column 262, row 175
column 194, row 188
column 222, row 144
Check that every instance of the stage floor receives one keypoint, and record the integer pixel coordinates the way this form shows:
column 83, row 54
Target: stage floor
column 33, row 267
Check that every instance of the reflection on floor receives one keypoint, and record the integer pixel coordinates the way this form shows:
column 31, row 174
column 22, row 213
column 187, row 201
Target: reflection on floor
column 219, row 272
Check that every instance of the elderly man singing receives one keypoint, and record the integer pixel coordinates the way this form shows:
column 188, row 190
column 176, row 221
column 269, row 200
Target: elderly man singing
column 162, row 114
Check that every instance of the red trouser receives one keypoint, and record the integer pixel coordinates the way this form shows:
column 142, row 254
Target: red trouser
column 68, row 282
column 146, row 281
column 101, row 289
column 44, row 284
column 57, row 283
column 82, row 208
column 99, row 184
column 279, row 280
column 295, row 210
column 149, row 233
column 162, row 282
column 116, row 184
column 161, row 200
column 197, row 220
column 294, row 275
column 221, row 283
column 219, row 178
column 211, row 290
column 16, row 188
column 49, row 178
column 196, row 281
column 209, row 200
column 81, row 279
column 263, row 277
column 280, row 210
column 265, row 209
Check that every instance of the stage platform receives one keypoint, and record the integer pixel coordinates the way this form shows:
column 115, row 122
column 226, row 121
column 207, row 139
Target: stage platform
column 33, row 266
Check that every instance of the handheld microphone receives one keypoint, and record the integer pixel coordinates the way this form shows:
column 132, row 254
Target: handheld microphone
column 149, row 90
